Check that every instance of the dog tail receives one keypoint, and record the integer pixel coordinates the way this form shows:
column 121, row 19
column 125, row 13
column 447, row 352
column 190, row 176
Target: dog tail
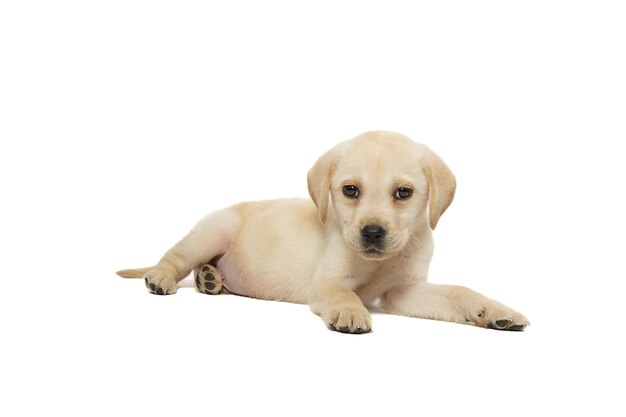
column 133, row 273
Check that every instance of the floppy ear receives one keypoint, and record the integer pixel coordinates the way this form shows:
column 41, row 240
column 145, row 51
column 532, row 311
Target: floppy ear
column 319, row 179
column 441, row 185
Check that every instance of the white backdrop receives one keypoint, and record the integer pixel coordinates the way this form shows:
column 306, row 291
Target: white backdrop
column 124, row 122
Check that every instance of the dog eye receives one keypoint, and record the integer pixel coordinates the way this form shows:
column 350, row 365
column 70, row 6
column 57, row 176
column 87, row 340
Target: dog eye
column 403, row 193
column 350, row 191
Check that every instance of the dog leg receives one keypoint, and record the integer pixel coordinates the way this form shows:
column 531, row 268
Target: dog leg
column 340, row 308
column 451, row 303
column 208, row 239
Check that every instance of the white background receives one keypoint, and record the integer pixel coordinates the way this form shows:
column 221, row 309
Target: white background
column 123, row 122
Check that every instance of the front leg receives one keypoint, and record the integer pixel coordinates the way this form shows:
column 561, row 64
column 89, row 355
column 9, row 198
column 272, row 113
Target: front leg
column 451, row 303
column 339, row 307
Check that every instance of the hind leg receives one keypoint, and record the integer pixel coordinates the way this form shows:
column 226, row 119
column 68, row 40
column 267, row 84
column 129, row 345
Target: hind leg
column 208, row 239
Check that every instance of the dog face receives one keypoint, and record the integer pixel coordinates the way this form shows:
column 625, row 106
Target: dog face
column 384, row 188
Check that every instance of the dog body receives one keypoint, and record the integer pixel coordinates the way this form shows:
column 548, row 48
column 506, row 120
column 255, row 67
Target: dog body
column 279, row 245
column 275, row 250
column 365, row 237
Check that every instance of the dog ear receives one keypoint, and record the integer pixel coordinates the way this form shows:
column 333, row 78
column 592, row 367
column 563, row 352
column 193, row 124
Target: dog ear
column 441, row 185
column 319, row 178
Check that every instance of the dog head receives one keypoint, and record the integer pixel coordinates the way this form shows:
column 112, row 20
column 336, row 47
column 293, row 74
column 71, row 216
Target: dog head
column 383, row 188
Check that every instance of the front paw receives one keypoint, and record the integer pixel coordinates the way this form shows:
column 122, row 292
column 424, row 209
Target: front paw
column 348, row 319
column 497, row 316
column 160, row 281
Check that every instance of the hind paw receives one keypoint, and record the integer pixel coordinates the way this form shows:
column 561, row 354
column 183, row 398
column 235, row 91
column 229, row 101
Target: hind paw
column 209, row 280
column 160, row 280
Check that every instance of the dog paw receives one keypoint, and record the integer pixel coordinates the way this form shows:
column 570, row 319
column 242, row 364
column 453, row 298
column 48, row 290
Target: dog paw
column 355, row 320
column 160, row 281
column 499, row 317
column 209, row 280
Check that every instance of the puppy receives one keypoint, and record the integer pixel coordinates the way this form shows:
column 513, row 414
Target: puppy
column 365, row 238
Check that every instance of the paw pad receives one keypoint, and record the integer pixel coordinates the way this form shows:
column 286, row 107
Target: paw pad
column 154, row 289
column 504, row 324
column 346, row 329
column 209, row 280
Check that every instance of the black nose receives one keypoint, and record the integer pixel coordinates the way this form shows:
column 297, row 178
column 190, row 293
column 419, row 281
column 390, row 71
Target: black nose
column 373, row 233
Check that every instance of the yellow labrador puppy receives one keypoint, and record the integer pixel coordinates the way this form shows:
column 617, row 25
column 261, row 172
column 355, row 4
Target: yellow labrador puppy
column 366, row 237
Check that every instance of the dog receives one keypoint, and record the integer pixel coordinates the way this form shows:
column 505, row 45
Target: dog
column 365, row 239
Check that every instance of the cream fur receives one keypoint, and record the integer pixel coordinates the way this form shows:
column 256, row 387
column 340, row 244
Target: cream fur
column 311, row 252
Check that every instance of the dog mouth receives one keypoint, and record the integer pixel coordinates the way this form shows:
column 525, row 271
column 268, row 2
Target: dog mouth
column 380, row 251
column 373, row 251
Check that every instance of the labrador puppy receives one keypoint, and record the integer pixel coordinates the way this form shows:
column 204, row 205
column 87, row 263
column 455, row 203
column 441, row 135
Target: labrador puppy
column 365, row 238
